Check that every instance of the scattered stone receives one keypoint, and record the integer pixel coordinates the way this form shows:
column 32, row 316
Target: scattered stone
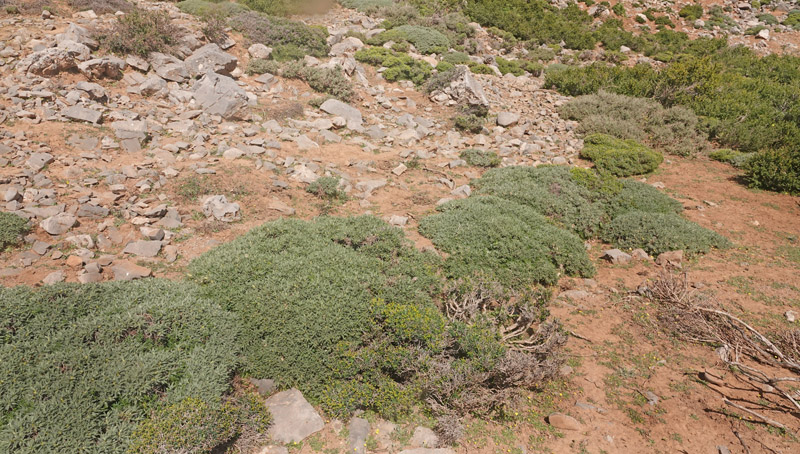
column 563, row 422
column 574, row 295
column 108, row 67
column 640, row 254
column 428, row 451
column 59, row 224
column 357, row 438
column 281, row 207
column 294, row 419
column 670, row 258
column 82, row 114
column 220, row 95
column 617, row 257
column 722, row 449
column 507, row 119
column 218, row 207
column 274, row 450
column 127, row 271
column 791, row 316
column 169, row 67
column 346, row 111
column 211, row 58
column 260, row 51
column 143, row 248
column 54, row 278
column 37, row 162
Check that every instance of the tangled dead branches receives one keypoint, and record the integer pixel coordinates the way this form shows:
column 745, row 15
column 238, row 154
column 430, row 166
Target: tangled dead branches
column 770, row 366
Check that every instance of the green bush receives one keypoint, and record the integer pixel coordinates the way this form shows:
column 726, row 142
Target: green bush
column 661, row 232
column 619, row 9
column 330, row 81
column 636, row 196
column 792, row 19
column 286, row 7
column 277, row 32
column 83, row 365
column 327, row 188
column 442, row 79
column 425, row 39
column 205, row 8
column 301, row 288
column 366, row 5
column 775, row 170
column 768, row 19
column 691, row 12
column 733, row 157
column 261, row 66
column 621, row 158
column 480, row 158
column 140, row 32
column 469, row 123
column 287, row 52
column 12, row 228
column 196, row 426
column 509, row 66
column 504, row 241
column 480, row 68
column 675, row 130
column 398, row 66
column 99, row 6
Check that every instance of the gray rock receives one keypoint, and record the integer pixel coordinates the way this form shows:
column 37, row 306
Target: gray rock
column 169, row 67
column 210, row 58
column 722, row 449
column 640, row 254
column 617, row 257
column 54, row 278
column 37, row 162
column 82, row 114
column 428, row 451
column 127, row 271
column 670, row 258
column 346, row 46
column 791, row 316
column 304, row 143
column 143, row 248
column 51, row 61
column 563, row 422
column 357, row 438
column 130, row 129
column 294, row 419
column 507, row 119
column 59, row 224
column 95, row 91
column 259, row 50
column 218, row 207
column 220, row 95
column 464, row 89
column 423, row 438
column 91, row 211
column 107, row 67
column 346, row 111
column 151, row 86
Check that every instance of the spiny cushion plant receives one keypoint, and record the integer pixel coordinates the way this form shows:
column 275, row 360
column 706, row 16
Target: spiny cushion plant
column 81, row 366
column 621, row 158
column 140, row 32
column 508, row 242
column 12, row 227
column 480, row 158
column 594, row 205
column 399, row 66
column 280, row 33
column 301, row 288
column 661, row 232
column 426, row 40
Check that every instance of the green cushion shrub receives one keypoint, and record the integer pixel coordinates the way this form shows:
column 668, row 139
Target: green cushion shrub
column 504, row 241
column 621, row 158
column 302, row 288
column 327, row 188
column 286, row 7
column 480, row 158
column 366, row 5
column 276, row 32
column 661, row 232
column 691, row 12
column 140, row 32
column 398, row 66
column 12, row 228
column 775, row 170
column 733, row 157
column 636, row 196
column 469, row 123
column 509, row 66
column 205, row 8
column 82, row 366
column 425, row 39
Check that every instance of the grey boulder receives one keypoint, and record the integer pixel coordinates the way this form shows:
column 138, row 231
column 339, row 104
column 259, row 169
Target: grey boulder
column 349, row 113
column 294, row 419
column 58, row 224
column 220, row 95
column 217, row 206
column 210, row 58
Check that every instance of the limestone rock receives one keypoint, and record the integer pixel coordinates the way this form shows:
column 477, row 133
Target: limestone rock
column 294, row 419
column 617, row 257
column 220, row 95
column 210, row 58
column 563, row 422
column 218, row 207
column 346, row 111
column 58, row 224
column 127, row 271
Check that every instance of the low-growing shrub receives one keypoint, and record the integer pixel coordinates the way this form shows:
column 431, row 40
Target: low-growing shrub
column 205, row 8
column 636, row 196
column 12, row 228
column 366, row 5
column 327, row 188
column 775, row 170
column 660, row 232
column 261, row 66
column 287, row 52
column 302, row 288
column 469, row 123
column 480, row 68
column 84, row 366
column 425, row 39
column 442, row 79
column 768, row 19
column 618, row 9
column 621, row 158
column 286, row 7
column 140, row 32
column 480, row 158
column 674, row 130
column 331, row 81
column 101, row 6
column 504, row 241
column 691, row 12
column 275, row 32
column 509, row 66
column 398, row 66
column 733, row 157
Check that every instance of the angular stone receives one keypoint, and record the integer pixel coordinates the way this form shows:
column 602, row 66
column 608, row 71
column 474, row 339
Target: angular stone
column 143, row 248
column 357, row 437
column 220, row 95
column 127, row 271
column 218, row 207
column 168, row 67
column 349, row 113
column 54, row 278
column 91, row 211
column 346, row 46
column 428, row 451
column 617, row 257
column 59, row 224
column 107, row 67
column 37, row 162
column 280, row 207
column 210, row 58
column 294, row 419
column 670, row 258
column 507, row 119
column 82, row 114
column 260, row 51
column 423, row 438
column 563, row 422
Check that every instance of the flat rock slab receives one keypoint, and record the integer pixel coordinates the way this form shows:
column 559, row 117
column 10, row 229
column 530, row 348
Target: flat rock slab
column 127, row 271
column 357, row 437
column 82, row 114
column 428, row 451
column 294, row 418
column 143, row 248
column 349, row 113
